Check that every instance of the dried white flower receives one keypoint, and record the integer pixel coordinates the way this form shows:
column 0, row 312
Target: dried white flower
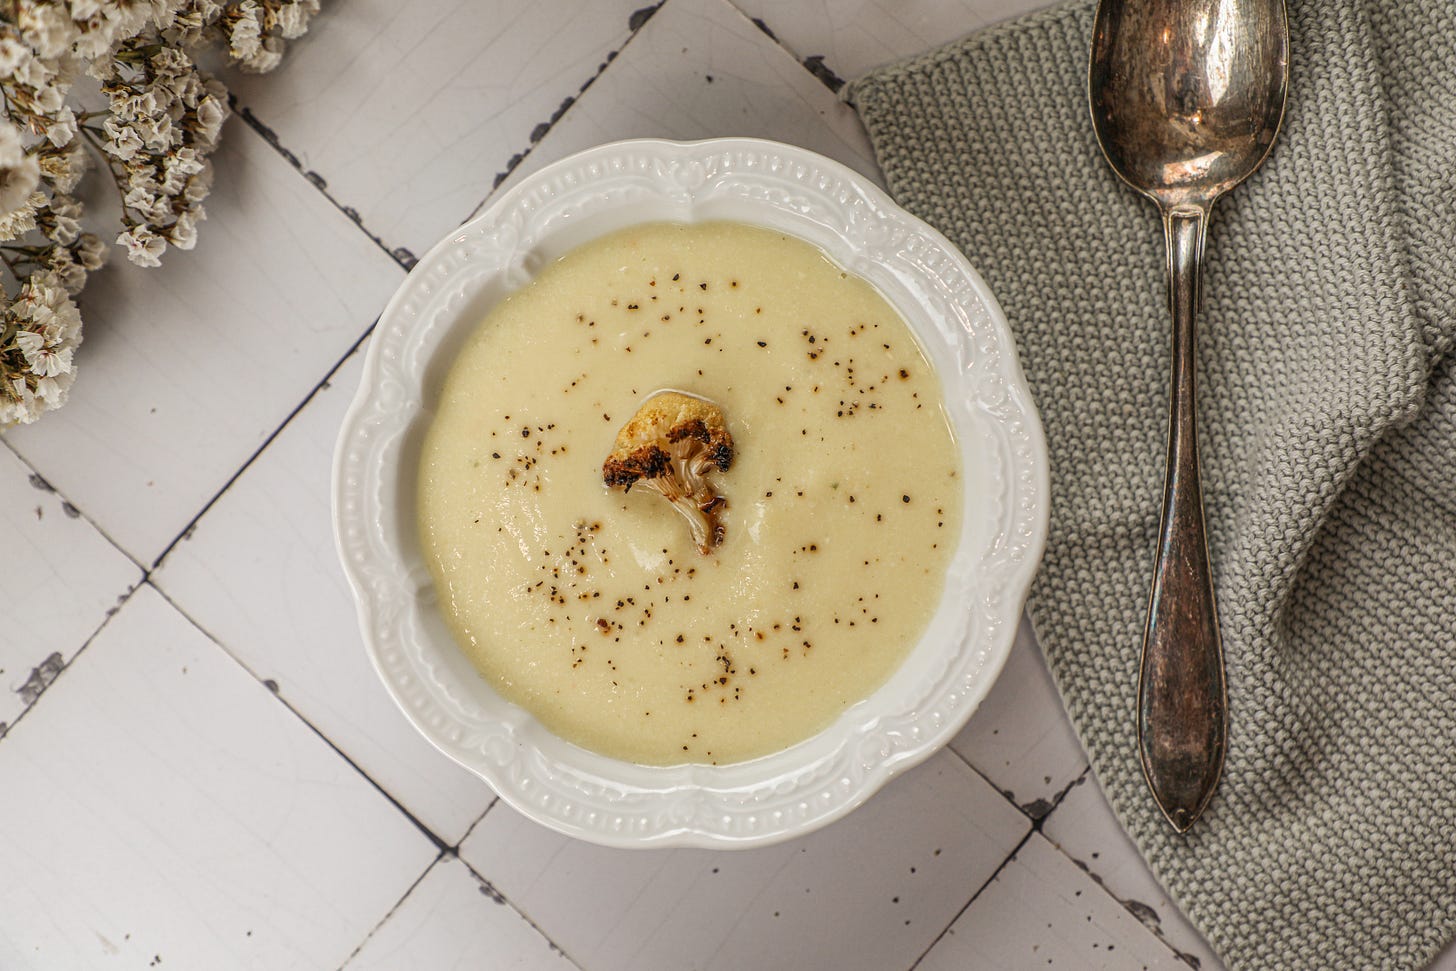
column 293, row 19
column 183, row 233
column 91, row 252
column 268, row 56
column 63, row 169
column 163, row 118
column 62, row 128
column 245, row 37
column 68, row 272
column 43, row 330
column 123, row 141
column 47, row 27
column 199, row 185
column 62, row 222
column 211, row 113
column 143, row 247
column 12, row 149
column 13, row 53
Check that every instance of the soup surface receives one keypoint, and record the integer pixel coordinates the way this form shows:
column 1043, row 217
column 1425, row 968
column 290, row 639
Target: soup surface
column 591, row 607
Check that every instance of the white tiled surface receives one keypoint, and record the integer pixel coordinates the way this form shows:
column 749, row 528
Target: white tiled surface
column 896, row 871
column 202, row 771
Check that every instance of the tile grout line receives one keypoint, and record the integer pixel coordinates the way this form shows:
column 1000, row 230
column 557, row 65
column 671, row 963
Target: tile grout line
column 322, row 384
column 42, row 483
column 813, row 63
column 635, row 22
column 1155, row 929
column 495, row 801
column 1010, row 797
column 494, row 892
column 390, row 913
column 111, row 612
column 974, row 897
column 272, row 686
column 400, row 255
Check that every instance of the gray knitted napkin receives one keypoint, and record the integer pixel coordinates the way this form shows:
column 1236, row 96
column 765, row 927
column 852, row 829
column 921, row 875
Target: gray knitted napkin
column 1328, row 407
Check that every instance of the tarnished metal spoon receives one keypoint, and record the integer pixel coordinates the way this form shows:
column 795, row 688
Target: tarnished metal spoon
column 1187, row 97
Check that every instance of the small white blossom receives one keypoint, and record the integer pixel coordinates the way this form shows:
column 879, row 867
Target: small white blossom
column 148, row 203
column 123, row 141
column 293, row 19
column 62, row 224
column 49, row 98
column 199, row 185
column 18, row 183
column 68, row 272
column 211, row 113
column 143, row 247
column 62, row 128
column 245, row 38
column 12, row 149
column 63, row 169
column 183, row 233
column 47, row 27
column 13, row 53
column 19, row 406
column 21, row 220
column 178, row 167
column 91, row 252
column 268, row 56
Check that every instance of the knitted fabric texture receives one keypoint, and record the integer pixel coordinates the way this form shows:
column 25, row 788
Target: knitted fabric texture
column 1328, row 436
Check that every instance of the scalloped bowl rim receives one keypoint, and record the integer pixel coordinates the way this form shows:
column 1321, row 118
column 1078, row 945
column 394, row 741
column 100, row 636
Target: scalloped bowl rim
column 958, row 323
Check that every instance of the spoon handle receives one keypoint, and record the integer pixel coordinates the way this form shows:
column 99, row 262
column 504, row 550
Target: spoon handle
column 1182, row 699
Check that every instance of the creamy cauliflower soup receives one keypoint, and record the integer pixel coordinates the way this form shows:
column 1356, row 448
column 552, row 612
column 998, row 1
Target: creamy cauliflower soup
column 690, row 494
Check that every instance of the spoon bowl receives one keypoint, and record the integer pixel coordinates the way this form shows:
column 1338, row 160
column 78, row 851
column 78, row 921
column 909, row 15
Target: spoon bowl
column 1187, row 97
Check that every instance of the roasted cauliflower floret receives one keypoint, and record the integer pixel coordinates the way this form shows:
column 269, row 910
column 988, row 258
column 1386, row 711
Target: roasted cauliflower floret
column 669, row 447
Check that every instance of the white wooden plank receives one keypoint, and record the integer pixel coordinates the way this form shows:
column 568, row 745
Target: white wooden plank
column 452, row 920
column 1020, row 737
column 410, row 108
column 853, row 36
column 1042, row 911
column 163, row 809
column 699, row 69
column 187, row 369
column 870, row 891
column 259, row 573
column 61, row 579
column 1086, row 830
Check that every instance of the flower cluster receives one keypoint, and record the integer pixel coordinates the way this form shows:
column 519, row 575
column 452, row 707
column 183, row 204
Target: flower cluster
column 152, row 129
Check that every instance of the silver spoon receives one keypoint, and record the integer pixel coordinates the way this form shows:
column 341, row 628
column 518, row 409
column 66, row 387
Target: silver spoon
column 1187, row 97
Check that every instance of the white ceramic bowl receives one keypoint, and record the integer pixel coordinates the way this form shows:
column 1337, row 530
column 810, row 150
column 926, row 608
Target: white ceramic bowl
column 946, row 675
